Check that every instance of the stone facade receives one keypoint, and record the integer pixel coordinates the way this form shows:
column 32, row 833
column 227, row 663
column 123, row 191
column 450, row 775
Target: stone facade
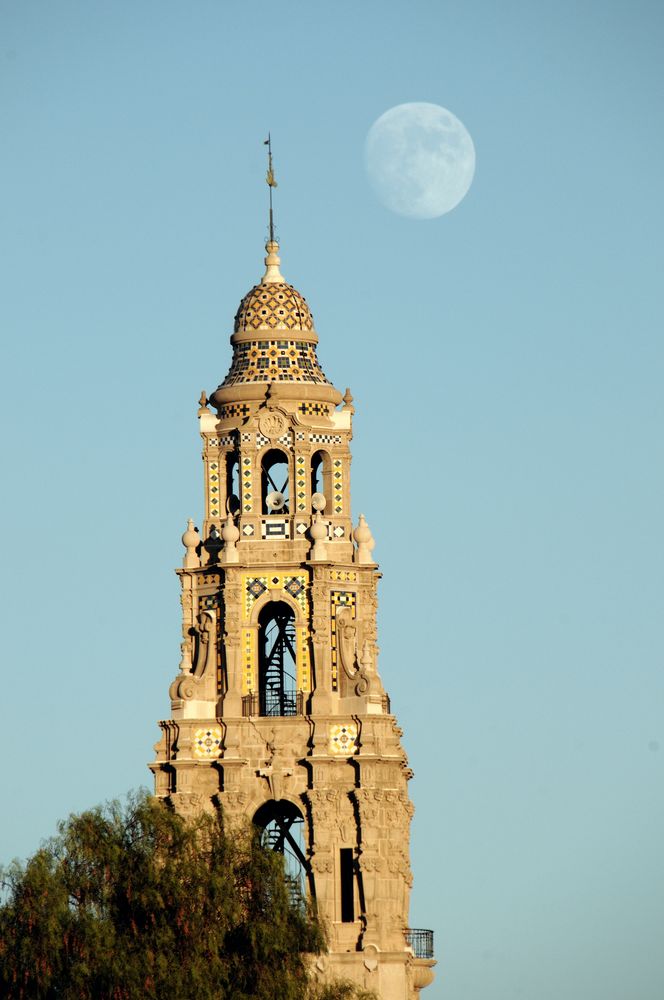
column 278, row 713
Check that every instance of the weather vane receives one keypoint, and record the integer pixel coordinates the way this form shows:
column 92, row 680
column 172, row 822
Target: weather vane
column 271, row 182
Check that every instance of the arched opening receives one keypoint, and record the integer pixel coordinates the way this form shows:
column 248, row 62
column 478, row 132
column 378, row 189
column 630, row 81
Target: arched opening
column 281, row 827
column 320, row 474
column 277, row 685
column 232, row 482
column 275, row 477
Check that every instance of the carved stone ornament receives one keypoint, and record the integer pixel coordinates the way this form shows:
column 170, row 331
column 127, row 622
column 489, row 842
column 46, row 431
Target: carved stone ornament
column 272, row 424
column 347, row 640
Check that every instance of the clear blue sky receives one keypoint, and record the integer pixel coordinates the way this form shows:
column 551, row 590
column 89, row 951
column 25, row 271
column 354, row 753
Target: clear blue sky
column 506, row 362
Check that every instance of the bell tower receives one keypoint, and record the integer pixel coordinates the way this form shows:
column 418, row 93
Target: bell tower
column 278, row 714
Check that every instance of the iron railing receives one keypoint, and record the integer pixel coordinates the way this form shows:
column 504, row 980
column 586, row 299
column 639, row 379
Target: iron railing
column 254, row 704
column 421, row 941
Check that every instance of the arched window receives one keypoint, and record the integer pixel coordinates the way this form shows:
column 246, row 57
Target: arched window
column 277, row 689
column 274, row 480
column 232, row 482
column 281, row 828
column 320, row 475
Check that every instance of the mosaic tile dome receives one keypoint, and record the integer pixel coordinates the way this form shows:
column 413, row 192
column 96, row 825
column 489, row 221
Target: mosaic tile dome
column 273, row 306
column 274, row 361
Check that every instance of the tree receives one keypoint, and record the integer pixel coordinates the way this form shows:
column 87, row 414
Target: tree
column 132, row 902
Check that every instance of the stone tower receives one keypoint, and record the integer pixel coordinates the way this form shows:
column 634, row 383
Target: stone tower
column 278, row 714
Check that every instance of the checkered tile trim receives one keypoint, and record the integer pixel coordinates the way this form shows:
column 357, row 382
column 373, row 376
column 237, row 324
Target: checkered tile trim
column 325, row 438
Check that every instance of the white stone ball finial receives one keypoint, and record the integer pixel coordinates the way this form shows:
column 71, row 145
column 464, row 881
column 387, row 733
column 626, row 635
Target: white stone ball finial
column 364, row 541
column 230, row 534
column 191, row 540
column 318, row 533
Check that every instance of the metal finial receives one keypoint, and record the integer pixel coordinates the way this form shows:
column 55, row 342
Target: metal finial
column 271, row 182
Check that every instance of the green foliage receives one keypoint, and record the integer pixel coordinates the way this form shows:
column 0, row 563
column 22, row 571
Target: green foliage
column 133, row 903
column 340, row 990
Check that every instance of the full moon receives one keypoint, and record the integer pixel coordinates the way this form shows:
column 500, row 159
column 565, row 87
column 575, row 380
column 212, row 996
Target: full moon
column 420, row 160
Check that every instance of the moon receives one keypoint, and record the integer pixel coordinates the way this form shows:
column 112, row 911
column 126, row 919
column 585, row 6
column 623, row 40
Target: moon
column 420, row 160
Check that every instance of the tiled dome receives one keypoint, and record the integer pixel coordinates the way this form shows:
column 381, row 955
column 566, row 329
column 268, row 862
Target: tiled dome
column 273, row 306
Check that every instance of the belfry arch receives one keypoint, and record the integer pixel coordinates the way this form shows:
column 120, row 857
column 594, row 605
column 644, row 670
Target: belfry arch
column 281, row 828
column 277, row 661
column 321, row 474
column 275, row 478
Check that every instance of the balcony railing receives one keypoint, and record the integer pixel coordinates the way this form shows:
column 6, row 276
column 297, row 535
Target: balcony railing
column 421, row 941
column 284, row 705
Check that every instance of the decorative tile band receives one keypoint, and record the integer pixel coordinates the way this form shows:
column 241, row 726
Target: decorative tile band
column 213, row 489
column 255, row 586
column 303, row 665
column 248, row 530
column 314, row 409
column 343, row 739
column 261, row 440
column 343, row 574
column 337, row 486
column 234, row 410
column 224, row 441
column 247, row 494
column 325, row 438
column 207, row 742
column 286, row 439
column 249, row 659
column 339, row 599
column 300, row 482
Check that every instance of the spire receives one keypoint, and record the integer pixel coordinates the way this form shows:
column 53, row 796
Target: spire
column 272, row 261
column 271, row 182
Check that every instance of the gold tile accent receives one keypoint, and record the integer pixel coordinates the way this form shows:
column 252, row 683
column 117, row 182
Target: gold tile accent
column 249, row 661
column 303, row 663
column 343, row 739
column 206, row 743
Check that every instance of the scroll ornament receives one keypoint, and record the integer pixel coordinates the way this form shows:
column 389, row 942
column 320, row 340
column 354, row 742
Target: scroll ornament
column 193, row 678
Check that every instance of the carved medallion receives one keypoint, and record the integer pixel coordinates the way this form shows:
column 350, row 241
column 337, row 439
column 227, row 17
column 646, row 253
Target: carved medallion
column 272, row 424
